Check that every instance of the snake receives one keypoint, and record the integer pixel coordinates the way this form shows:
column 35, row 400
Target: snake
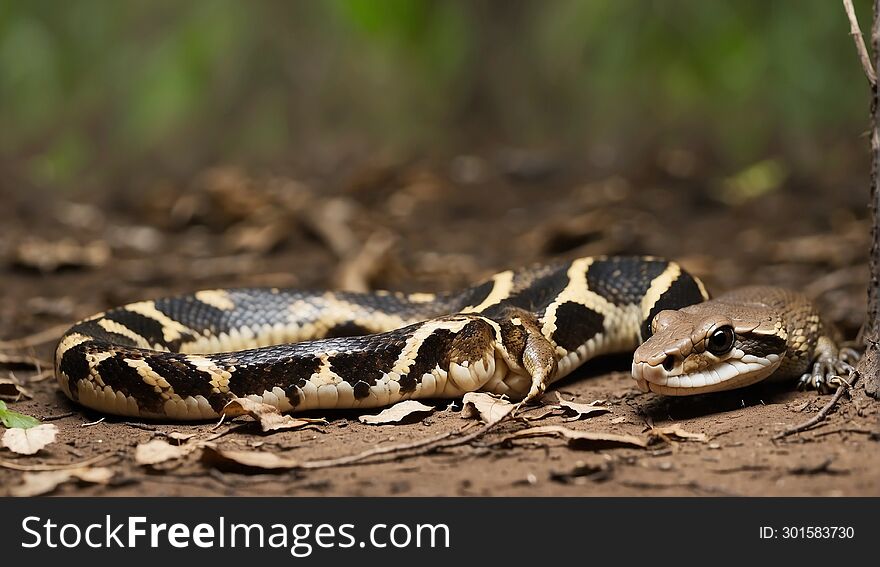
column 185, row 357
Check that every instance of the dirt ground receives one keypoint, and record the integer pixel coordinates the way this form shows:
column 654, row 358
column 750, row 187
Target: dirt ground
column 430, row 226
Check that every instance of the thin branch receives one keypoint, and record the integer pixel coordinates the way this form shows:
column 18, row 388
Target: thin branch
column 55, row 467
column 404, row 450
column 856, row 32
column 823, row 413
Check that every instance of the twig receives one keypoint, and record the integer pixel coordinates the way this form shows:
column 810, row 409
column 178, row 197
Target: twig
column 856, row 32
column 58, row 416
column 375, row 451
column 823, row 413
column 92, row 423
column 844, row 430
column 412, row 449
column 140, row 426
column 55, row 467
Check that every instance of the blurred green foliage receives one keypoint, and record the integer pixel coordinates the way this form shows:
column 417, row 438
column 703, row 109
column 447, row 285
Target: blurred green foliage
column 95, row 86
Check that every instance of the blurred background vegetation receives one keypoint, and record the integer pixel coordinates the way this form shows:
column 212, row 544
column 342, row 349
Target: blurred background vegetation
column 91, row 91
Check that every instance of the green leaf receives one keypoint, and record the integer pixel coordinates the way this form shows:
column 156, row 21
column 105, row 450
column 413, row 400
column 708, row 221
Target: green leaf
column 11, row 418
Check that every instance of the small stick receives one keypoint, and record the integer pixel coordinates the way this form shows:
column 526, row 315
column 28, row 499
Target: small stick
column 823, row 413
column 92, row 423
column 58, row 416
column 856, row 32
column 418, row 448
column 55, row 467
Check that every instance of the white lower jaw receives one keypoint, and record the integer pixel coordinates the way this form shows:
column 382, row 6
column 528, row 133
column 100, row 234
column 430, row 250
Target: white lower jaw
column 728, row 375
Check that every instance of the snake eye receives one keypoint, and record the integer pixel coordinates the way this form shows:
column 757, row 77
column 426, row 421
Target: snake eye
column 721, row 341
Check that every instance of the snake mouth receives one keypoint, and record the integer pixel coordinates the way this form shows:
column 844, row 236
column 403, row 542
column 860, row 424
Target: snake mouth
column 723, row 375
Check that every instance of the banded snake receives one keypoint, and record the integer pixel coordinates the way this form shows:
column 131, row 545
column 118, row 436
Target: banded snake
column 186, row 357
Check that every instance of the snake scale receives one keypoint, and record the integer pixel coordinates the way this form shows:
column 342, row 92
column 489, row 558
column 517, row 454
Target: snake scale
column 186, row 357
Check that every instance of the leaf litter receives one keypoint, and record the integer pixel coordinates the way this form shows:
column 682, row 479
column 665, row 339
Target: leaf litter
column 44, row 482
column 580, row 410
column 398, row 413
column 269, row 417
column 28, row 441
column 485, row 407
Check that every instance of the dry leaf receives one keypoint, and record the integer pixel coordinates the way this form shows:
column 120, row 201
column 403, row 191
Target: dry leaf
column 36, row 483
column 247, row 461
column 29, row 441
column 270, row 417
column 48, row 256
column 579, row 410
column 12, row 390
column 539, row 416
column 20, row 362
column 485, row 407
column 396, row 413
column 584, row 439
column 677, row 432
column 158, row 451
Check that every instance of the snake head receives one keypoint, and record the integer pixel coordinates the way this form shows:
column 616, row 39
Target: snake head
column 709, row 347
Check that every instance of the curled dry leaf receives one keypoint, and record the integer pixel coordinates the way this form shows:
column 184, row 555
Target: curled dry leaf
column 21, row 362
column 36, row 483
column 485, row 406
column 580, row 410
column 270, row 417
column 158, row 451
column 675, row 431
column 584, row 439
column 247, row 461
column 29, row 441
column 397, row 413
column 12, row 390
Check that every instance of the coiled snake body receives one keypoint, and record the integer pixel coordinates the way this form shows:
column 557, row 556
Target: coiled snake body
column 186, row 357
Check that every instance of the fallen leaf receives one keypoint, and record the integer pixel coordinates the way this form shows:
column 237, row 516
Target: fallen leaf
column 677, row 432
column 48, row 256
column 539, row 416
column 12, row 390
column 158, row 451
column 485, row 407
column 20, row 362
column 36, row 483
column 579, row 410
column 11, row 418
column 247, row 461
column 396, row 413
column 29, row 441
column 270, row 417
column 584, row 439
column 618, row 419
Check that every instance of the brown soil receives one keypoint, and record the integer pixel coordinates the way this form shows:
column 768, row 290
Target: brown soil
column 437, row 226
